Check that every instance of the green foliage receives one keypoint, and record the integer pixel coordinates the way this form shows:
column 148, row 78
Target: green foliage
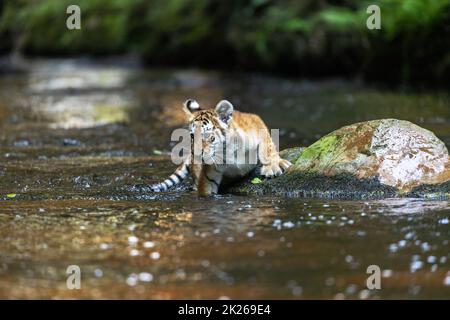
column 305, row 38
column 42, row 25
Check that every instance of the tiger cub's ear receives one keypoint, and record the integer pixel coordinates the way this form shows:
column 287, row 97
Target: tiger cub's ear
column 190, row 106
column 224, row 110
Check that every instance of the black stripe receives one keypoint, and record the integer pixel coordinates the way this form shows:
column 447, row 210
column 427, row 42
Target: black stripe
column 187, row 169
column 178, row 176
column 173, row 181
column 215, row 169
column 211, row 180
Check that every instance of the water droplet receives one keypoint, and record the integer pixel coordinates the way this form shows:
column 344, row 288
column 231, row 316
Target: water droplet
column 134, row 253
column 276, row 222
column 155, row 255
column 145, row 277
column 386, row 273
column 250, row 234
column 132, row 279
column 288, row 224
column 133, row 240
column 351, row 289
column 149, row 244
column 431, row 259
column 409, row 235
column 402, row 243
column 443, row 221
column 98, row 273
column 416, row 265
column 447, row 279
column 425, row 247
column 364, row 294
column 393, row 247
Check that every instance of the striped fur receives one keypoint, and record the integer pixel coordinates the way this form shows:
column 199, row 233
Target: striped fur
column 175, row 178
column 211, row 127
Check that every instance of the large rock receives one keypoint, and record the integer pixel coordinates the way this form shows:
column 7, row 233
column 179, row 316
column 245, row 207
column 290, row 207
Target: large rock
column 380, row 158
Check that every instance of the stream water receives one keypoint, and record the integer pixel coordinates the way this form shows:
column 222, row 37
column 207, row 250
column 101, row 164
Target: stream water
column 77, row 135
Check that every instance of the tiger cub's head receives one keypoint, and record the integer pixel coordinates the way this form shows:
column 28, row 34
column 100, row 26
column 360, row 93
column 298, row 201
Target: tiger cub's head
column 208, row 129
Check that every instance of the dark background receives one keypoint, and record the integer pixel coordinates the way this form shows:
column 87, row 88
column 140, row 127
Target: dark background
column 309, row 38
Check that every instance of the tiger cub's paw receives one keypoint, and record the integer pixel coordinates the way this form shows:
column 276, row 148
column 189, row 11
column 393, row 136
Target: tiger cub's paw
column 276, row 168
column 284, row 164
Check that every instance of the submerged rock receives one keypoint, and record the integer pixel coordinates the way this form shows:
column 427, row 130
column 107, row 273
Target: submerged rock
column 373, row 159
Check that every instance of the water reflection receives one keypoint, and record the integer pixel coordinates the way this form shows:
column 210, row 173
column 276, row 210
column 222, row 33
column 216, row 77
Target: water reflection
column 227, row 246
column 408, row 206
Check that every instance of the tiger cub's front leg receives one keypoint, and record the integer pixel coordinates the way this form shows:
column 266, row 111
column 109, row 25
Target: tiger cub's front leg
column 272, row 164
column 195, row 170
column 209, row 180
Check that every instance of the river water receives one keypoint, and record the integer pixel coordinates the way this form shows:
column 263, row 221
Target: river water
column 77, row 135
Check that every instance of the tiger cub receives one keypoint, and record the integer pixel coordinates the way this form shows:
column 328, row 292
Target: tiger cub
column 219, row 131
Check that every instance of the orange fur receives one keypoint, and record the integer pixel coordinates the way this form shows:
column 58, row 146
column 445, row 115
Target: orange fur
column 213, row 126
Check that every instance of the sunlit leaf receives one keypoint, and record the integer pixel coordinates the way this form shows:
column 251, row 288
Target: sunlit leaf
column 256, row 180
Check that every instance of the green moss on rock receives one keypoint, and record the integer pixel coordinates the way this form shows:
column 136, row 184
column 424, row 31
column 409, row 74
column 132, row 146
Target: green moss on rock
column 373, row 159
column 318, row 151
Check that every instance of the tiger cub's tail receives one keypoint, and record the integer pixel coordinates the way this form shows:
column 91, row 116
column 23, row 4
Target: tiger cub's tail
column 175, row 178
